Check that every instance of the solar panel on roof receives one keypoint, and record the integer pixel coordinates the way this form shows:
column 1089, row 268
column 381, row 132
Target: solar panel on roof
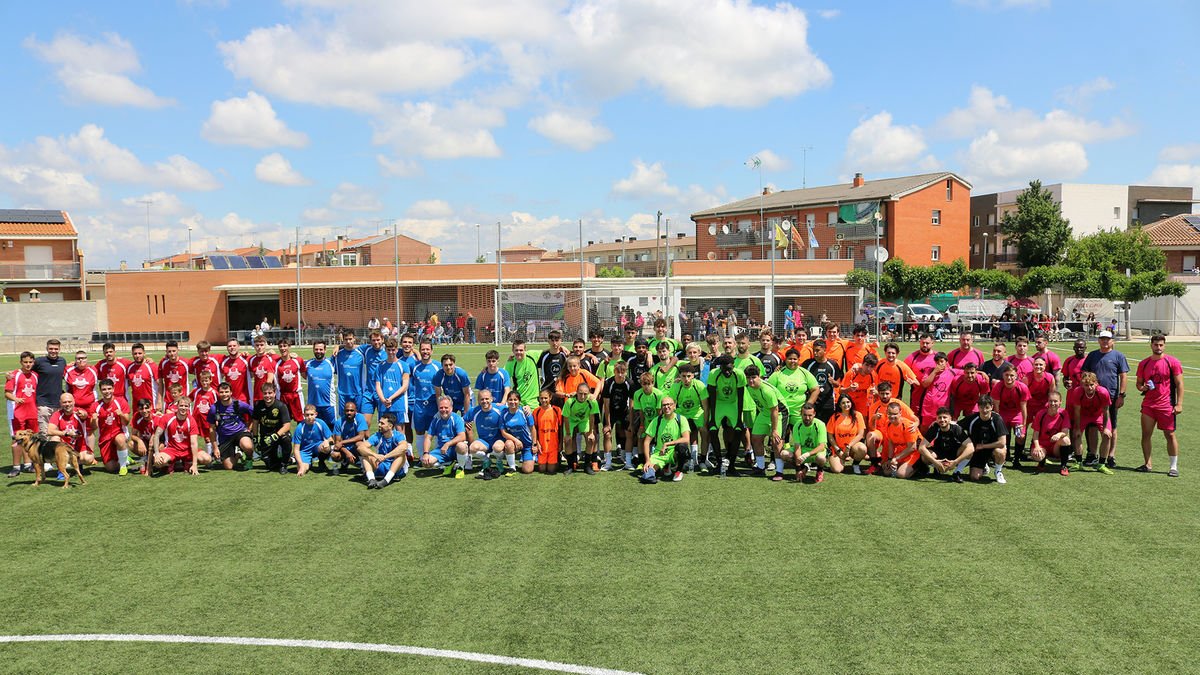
column 273, row 261
column 237, row 262
column 255, row 262
column 219, row 262
column 31, row 216
column 1194, row 221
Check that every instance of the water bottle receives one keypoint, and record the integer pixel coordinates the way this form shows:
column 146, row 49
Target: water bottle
column 1149, row 387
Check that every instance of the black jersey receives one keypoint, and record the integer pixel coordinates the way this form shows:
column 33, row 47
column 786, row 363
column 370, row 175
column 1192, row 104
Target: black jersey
column 551, row 367
column 984, row 431
column 945, row 444
column 618, row 395
column 771, row 362
column 828, row 375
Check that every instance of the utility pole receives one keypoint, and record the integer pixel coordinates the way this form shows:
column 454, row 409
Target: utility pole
column 149, row 255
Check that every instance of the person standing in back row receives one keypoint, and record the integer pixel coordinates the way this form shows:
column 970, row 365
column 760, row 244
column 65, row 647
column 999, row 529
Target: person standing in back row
column 1160, row 379
column 51, row 370
column 1111, row 369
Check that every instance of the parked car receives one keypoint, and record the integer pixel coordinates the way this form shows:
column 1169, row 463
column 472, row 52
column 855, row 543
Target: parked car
column 922, row 312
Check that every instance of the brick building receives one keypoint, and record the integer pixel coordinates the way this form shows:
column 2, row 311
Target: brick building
column 1179, row 238
column 924, row 219
column 39, row 256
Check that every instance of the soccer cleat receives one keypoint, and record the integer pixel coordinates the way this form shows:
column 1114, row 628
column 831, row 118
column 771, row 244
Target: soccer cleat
column 16, row 471
column 334, row 470
column 124, row 470
column 677, row 477
column 372, row 484
column 459, row 473
column 1173, row 473
column 606, row 468
column 1074, row 465
column 1016, row 462
column 1091, row 461
column 872, row 470
column 283, row 469
column 1103, row 468
column 758, row 473
column 857, row 470
column 61, row 476
column 589, row 470
column 958, row 477
column 1064, row 471
column 820, row 475
column 777, row 477
column 448, row 471
column 1111, row 462
column 1143, row 469
column 733, row 472
column 1000, row 479
column 568, row 471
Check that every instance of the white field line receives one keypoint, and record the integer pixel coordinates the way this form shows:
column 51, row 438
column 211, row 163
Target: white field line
column 320, row 644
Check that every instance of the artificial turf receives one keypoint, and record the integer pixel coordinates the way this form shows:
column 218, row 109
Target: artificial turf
column 859, row 574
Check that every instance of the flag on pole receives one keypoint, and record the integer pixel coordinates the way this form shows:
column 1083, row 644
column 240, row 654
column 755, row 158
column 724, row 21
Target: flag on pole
column 782, row 237
column 812, row 238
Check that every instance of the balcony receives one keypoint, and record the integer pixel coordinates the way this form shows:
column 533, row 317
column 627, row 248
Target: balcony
column 59, row 271
column 861, row 231
column 752, row 237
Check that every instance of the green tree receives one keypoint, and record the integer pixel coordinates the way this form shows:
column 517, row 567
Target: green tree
column 433, row 258
column 1119, row 265
column 1037, row 228
column 613, row 272
column 481, row 259
column 901, row 281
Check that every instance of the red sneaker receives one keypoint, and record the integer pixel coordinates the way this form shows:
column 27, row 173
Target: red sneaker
column 872, row 470
column 820, row 475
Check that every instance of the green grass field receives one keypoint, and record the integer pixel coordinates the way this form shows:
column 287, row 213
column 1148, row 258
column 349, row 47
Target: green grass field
column 1089, row 573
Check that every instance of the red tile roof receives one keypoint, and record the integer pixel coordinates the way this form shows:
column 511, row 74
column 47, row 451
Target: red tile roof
column 1175, row 231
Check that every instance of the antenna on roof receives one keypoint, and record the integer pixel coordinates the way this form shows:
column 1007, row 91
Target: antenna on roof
column 804, row 165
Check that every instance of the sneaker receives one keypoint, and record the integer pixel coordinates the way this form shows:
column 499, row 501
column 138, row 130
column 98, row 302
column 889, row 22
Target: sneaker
column 857, row 470
column 820, row 475
column 733, row 472
column 1064, row 471
column 777, row 477
column 589, row 470
column 958, row 477
column 1074, row 465
column 459, row 473
column 448, row 471
column 1112, row 462
column 872, row 470
column 1143, row 469
column 1016, row 462
column 758, row 473
column 124, row 470
column 709, row 466
column 372, row 484
column 26, row 468
column 283, row 469
column 801, row 474
column 1173, row 473
column 381, row 483
column 16, row 471
column 568, row 471
column 677, row 477
column 1103, row 468
column 1000, row 479
column 334, row 470
column 60, row 476
column 1091, row 461
column 606, row 467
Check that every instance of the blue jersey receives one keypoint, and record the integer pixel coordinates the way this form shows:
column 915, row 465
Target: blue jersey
column 309, row 436
column 353, row 426
column 371, row 359
column 385, row 444
column 390, row 376
column 495, row 382
column 420, row 384
column 487, row 424
column 453, row 385
column 445, row 429
column 348, row 364
column 519, row 423
column 319, row 373
column 411, row 360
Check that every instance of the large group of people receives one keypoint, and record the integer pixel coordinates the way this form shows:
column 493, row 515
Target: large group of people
column 661, row 408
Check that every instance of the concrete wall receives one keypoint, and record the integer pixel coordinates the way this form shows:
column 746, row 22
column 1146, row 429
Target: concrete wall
column 1092, row 208
column 50, row 318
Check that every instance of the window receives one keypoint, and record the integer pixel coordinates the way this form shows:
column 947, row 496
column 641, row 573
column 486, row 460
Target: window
column 832, row 253
column 1135, row 213
column 949, row 190
column 745, row 255
column 849, row 253
column 974, row 221
column 935, row 253
column 974, row 249
column 832, row 218
column 745, row 225
column 991, row 220
column 349, row 259
column 810, row 219
column 1116, row 213
column 937, row 217
column 1189, row 263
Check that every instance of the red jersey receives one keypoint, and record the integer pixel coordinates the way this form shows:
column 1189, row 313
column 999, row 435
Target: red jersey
column 23, row 385
column 108, row 418
column 235, row 370
column 178, row 434
column 1024, row 366
column 74, row 431
column 1009, row 400
column 196, row 364
column 141, row 378
column 1161, row 371
column 145, row 426
column 172, row 373
column 1092, row 409
column 965, row 392
column 287, row 374
column 1048, row 425
column 1071, row 369
column 81, row 384
column 1039, row 391
column 262, row 369
column 202, row 401
column 114, row 370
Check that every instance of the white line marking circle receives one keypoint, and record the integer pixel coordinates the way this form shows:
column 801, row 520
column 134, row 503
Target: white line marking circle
column 320, row 644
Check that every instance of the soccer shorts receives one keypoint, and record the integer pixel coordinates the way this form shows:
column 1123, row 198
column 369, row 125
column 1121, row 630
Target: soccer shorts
column 1165, row 419
column 762, row 424
column 724, row 416
column 1047, row 443
column 1097, row 422
column 108, row 448
column 29, row 424
column 367, row 404
column 1112, row 413
column 386, row 465
column 443, row 458
column 659, row 460
column 422, row 416
column 307, row 454
column 980, row 459
column 177, row 455
column 229, row 446
column 547, row 454
column 573, row 430
column 295, row 406
column 327, row 414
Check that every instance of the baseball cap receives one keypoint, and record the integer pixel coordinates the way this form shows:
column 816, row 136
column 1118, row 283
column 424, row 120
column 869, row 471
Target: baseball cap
column 1105, row 334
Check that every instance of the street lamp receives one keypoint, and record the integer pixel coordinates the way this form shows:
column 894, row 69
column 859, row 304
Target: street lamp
column 878, row 271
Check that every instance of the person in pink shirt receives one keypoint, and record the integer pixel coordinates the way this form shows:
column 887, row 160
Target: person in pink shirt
column 1073, row 366
column 1052, row 434
column 922, row 362
column 968, row 386
column 1012, row 398
column 1040, row 384
column 1160, row 379
column 1053, row 363
column 1089, row 404
column 965, row 353
column 936, row 390
column 1021, row 360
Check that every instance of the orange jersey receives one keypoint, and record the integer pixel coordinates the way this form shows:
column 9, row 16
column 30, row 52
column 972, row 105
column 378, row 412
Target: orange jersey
column 843, row 428
column 548, row 423
column 897, row 437
column 878, row 416
column 856, row 352
column 860, row 396
column 835, row 350
column 569, row 384
column 804, row 349
column 895, row 372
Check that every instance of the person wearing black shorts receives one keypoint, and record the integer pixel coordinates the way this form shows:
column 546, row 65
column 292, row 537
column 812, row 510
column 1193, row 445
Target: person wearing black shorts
column 989, row 436
column 945, row 445
column 270, row 425
column 615, row 396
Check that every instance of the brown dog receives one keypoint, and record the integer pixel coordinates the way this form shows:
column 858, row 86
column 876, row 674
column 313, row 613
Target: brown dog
column 38, row 448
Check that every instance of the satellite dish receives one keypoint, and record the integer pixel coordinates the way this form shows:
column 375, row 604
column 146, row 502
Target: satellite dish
column 712, row 228
column 881, row 255
column 878, row 216
column 712, row 255
column 786, row 225
column 725, row 228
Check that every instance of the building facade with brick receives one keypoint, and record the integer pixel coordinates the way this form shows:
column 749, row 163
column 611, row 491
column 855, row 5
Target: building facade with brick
column 40, row 258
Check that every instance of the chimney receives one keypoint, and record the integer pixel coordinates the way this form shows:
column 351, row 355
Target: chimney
column 680, row 235
column 766, row 191
column 662, row 236
column 858, row 180
column 633, row 239
column 590, row 242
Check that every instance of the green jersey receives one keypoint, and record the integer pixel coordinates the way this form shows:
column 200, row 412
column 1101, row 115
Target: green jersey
column 673, row 345
column 740, row 363
column 689, row 400
column 524, row 374
column 662, row 431
column 793, row 387
column 648, row 403
column 579, row 414
column 765, row 397
column 663, row 379
column 807, row 437
column 728, row 388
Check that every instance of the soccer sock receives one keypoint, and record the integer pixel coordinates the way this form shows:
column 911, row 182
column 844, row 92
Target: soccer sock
column 629, row 459
column 760, row 462
column 123, row 457
column 607, row 460
column 779, row 465
column 464, row 460
column 1174, row 462
column 390, row 475
column 962, row 466
column 510, row 458
column 571, row 460
column 370, row 471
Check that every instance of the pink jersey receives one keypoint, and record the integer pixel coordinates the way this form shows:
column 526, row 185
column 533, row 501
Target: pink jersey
column 965, row 392
column 108, row 418
column 1039, row 391
column 236, row 371
column 172, row 373
column 81, row 384
column 209, row 363
column 1024, row 366
column 936, row 395
column 1072, row 367
column 142, row 378
column 114, row 370
column 1047, row 425
column 1092, row 409
column 287, row 374
column 1053, row 363
column 24, row 386
column 922, row 365
column 178, row 434
column 1009, row 400
column 959, row 357
column 202, row 401
column 74, row 431
column 1162, row 372
column 262, row 369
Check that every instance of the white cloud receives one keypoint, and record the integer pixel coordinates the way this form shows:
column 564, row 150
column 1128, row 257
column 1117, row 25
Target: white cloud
column 649, row 184
column 41, row 187
column 986, row 110
column 249, row 121
column 1080, row 96
column 89, row 151
column 97, row 71
column 351, row 197
column 429, row 208
column 574, row 131
column 436, row 132
column 163, row 205
column 829, row 14
column 319, row 215
column 327, row 66
column 274, row 168
column 398, row 167
column 1179, row 153
column 992, row 160
column 771, row 161
column 1176, row 174
column 877, row 144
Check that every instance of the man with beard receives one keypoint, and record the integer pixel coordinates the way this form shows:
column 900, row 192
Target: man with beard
column 922, row 362
column 965, row 353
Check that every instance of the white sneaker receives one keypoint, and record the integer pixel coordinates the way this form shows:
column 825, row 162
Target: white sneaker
column 1000, row 479
column 857, row 470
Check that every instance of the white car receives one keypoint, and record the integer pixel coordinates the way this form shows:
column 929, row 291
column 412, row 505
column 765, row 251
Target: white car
column 925, row 313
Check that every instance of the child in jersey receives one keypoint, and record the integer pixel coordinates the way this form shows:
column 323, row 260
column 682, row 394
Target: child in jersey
column 581, row 417
column 311, row 438
column 548, row 423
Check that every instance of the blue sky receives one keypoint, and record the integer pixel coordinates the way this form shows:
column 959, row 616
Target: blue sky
column 246, row 120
